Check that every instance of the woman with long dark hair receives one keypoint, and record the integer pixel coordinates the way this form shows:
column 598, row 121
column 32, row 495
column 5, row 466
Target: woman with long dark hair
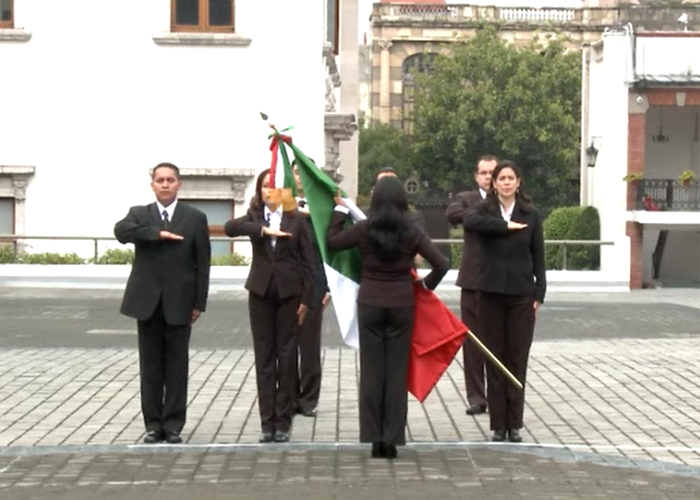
column 280, row 287
column 512, row 286
column 388, row 241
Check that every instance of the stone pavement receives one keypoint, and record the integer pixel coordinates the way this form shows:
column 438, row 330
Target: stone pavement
column 609, row 416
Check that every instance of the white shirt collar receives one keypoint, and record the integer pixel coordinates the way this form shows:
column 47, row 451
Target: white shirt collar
column 507, row 215
column 482, row 193
column 170, row 209
column 276, row 213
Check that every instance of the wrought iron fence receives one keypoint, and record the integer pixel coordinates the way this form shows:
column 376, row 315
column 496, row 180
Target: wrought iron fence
column 667, row 195
column 15, row 240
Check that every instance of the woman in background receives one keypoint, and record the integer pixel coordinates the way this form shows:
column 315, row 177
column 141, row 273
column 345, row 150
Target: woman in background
column 280, row 287
column 388, row 241
column 511, row 285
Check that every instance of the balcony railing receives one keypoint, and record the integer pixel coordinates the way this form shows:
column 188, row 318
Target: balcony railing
column 468, row 13
column 667, row 195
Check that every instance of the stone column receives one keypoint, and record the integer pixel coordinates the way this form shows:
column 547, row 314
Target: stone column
column 19, row 186
column 385, row 82
column 638, row 105
column 349, row 92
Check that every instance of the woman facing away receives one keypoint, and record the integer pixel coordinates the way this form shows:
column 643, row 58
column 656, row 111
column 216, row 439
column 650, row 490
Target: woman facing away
column 388, row 241
column 280, row 287
column 511, row 285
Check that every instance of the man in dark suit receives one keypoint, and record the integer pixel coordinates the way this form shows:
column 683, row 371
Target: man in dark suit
column 166, row 293
column 474, row 359
column 309, row 388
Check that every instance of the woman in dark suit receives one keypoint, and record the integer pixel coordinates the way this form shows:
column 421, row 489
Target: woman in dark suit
column 280, row 286
column 388, row 241
column 512, row 285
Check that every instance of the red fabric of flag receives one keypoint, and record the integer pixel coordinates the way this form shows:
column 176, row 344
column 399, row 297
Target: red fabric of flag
column 437, row 336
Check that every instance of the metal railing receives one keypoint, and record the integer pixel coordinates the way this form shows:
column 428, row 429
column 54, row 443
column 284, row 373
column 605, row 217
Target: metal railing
column 15, row 238
column 563, row 243
column 667, row 195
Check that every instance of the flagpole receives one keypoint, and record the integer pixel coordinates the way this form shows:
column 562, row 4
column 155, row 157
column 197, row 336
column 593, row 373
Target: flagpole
column 494, row 359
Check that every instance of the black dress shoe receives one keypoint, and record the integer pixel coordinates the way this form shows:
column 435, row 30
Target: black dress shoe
column 281, row 437
column 391, row 452
column 378, row 450
column 514, row 436
column 266, row 437
column 498, row 436
column 476, row 409
column 173, row 438
column 308, row 412
column 153, row 437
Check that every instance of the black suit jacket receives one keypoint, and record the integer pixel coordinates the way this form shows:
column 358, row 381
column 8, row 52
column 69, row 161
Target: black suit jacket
column 289, row 263
column 320, row 283
column 512, row 261
column 469, row 266
column 176, row 271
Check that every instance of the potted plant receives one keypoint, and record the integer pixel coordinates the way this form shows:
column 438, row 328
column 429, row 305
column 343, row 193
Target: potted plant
column 633, row 178
column 686, row 177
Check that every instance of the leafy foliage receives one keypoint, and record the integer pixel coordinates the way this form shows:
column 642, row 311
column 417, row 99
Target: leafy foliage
column 572, row 223
column 381, row 145
column 487, row 96
column 117, row 256
column 230, row 259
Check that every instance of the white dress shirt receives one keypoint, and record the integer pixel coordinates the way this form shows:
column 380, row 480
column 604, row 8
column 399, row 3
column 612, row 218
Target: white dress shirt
column 275, row 221
column 482, row 193
column 170, row 209
column 507, row 215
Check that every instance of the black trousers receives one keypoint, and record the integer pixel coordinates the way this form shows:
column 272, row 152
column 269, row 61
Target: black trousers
column 474, row 359
column 163, row 366
column 507, row 325
column 385, row 343
column 274, row 325
column 309, row 387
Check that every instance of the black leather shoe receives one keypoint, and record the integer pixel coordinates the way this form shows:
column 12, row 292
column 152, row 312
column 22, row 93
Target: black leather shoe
column 498, row 436
column 391, row 452
column 153, row 437
column 514, row 436
column 378, row 450
column 173, row 438
column 308, row 412
column 476, row 409
column 266, row 437
column 281, row 437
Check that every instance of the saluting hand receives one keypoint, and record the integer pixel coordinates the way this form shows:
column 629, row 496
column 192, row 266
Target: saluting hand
column 274, row 232
column 516, row 225
column 167, row 235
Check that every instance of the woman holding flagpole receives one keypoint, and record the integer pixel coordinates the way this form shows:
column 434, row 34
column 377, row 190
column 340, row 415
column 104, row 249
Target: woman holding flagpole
column 280, row 287
column 388, row 242
column 511, row 285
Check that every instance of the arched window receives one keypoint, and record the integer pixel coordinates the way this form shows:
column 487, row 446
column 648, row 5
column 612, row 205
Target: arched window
column 412, row 65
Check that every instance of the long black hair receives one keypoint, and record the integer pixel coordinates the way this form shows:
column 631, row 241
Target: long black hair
column 388, row 225
column 523, row 200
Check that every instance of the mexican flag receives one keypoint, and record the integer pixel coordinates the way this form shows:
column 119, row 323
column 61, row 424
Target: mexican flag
column 343, row 267
column 437, row 333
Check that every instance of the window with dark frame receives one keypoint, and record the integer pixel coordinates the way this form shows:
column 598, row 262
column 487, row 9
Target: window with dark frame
column 218, row 212
column 423, row 62
column 7, row 18
column 214, row 16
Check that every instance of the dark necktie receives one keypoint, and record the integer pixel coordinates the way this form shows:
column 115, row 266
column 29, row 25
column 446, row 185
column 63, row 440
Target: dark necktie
column 166, row 220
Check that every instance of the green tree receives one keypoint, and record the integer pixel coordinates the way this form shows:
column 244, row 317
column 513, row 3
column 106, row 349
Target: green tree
column 487, row 96
column 381, row 145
